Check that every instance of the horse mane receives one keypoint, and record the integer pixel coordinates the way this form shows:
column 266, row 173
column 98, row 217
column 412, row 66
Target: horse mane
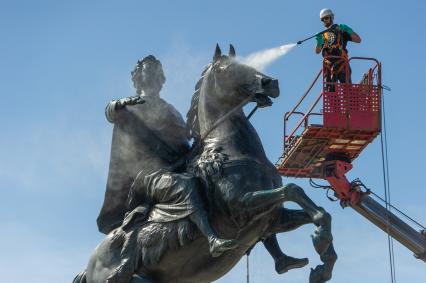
column 192, row 123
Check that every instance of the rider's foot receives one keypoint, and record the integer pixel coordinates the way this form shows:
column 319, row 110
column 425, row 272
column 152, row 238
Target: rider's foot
column 285, row 263
column 218, row 246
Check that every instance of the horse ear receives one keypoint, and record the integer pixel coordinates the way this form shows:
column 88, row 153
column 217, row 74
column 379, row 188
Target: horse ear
column 217, row 53
column 232, row 52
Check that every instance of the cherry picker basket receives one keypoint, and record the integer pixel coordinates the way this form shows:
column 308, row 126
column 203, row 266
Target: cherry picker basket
column 350, row 121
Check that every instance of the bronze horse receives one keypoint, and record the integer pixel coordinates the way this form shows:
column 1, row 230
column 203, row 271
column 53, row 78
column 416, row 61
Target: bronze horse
column 244, row 196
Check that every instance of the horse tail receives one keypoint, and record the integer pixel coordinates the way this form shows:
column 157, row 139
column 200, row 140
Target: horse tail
column 80, row 278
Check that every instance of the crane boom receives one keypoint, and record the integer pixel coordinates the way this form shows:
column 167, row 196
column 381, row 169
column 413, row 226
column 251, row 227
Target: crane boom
column 393, row 225
column 351, row 194
column 351, row 117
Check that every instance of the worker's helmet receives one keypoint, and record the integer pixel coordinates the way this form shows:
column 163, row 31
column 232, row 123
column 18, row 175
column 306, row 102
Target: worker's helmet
column 325, row 13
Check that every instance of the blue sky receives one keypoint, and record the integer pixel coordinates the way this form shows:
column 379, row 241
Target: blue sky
column 62, row 61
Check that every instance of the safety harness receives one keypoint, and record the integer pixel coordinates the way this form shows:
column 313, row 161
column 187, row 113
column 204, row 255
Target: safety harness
column 334, row 46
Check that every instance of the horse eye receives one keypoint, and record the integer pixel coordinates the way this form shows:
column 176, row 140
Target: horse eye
column 220, row 69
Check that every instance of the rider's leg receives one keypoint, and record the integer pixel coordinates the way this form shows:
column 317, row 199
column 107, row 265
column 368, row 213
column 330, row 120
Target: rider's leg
column 217, row 245
column 287, row 220
column 283, row 262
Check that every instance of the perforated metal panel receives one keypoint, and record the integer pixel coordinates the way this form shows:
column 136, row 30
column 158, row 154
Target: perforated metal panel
column 352, row 106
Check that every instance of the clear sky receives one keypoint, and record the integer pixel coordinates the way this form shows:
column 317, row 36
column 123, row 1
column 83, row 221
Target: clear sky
column 62, row 61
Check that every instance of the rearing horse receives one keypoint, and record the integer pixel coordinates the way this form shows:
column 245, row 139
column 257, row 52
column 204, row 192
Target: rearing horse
column 244, row 194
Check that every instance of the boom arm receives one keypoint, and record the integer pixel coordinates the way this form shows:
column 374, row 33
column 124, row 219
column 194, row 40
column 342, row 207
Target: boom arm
column 361, row 202
column 387, row 221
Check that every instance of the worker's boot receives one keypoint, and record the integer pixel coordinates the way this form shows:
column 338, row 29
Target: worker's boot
column 217, row 245
column 285, row 263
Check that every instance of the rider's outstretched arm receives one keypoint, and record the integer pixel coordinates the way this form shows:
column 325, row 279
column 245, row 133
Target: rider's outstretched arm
column 114, row 106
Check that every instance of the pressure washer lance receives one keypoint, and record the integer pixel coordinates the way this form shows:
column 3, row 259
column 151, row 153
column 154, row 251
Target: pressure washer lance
column 322, row 32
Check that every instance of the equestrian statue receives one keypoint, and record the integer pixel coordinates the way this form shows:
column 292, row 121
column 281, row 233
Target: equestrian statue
column 185, row 201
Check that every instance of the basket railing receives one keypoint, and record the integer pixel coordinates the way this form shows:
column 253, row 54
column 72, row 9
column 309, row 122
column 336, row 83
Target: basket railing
column 372, row 77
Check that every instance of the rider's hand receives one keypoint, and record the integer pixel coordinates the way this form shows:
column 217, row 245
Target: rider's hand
column 135, row 100
column 121, row 103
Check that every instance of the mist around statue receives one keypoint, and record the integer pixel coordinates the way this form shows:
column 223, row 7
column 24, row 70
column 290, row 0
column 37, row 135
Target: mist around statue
column 64, row 61
column 262, row 59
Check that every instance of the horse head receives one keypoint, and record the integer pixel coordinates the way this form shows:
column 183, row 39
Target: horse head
column 236, row 81
column 227, row 84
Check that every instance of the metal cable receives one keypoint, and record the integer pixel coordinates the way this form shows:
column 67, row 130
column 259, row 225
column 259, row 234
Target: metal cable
column 318, row 186
column 248, row 269
column 357, row 182
column 324, row 187
column 385, row 168
column 388, row 180
column 399, row 211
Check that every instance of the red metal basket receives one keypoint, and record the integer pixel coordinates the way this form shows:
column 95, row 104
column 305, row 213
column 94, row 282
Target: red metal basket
column 351, row 120
column 352, row 106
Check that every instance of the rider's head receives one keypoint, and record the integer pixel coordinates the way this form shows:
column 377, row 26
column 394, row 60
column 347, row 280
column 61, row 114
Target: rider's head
column 327, row 17
column 148, row 76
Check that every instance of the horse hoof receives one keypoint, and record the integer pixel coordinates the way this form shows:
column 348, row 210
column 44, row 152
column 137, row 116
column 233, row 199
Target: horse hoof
column 316, row 275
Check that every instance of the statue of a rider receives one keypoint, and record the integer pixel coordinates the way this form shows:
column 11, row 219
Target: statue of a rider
column 176, row 194
column 158, row 189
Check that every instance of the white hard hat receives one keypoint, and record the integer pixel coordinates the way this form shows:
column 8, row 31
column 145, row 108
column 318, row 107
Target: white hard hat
column 326, row 12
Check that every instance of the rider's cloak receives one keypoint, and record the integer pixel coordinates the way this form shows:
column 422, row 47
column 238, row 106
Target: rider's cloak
column 146, row 137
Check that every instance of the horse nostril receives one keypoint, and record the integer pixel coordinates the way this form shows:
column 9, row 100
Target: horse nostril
column 266, row 81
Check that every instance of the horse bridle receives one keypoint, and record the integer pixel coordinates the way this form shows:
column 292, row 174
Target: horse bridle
column 226, row 116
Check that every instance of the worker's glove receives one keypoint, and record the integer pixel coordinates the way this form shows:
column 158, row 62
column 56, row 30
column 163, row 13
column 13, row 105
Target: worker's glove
column 320, row 39
column 133, row 100
column 346, row 29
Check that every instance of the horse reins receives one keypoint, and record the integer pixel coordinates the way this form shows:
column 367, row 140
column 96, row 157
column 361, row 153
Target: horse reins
column 226, row 116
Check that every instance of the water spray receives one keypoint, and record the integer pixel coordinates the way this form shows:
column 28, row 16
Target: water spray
column 262, row 59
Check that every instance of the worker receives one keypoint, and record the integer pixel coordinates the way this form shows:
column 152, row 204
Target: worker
column 333, row 43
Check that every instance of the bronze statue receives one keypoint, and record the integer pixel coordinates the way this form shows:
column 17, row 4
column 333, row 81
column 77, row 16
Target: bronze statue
column 156, row 219
column 174, row 192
